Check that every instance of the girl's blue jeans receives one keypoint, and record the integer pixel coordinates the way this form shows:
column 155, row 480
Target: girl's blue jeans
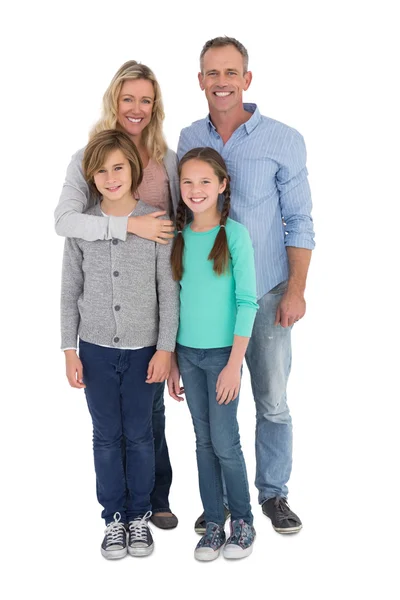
column 218, row 447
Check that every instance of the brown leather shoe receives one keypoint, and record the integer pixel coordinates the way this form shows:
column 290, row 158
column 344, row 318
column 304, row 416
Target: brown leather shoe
column 164, row 522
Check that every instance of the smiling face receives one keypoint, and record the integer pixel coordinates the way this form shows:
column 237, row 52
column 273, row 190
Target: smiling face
column 223, row 79
column 200, row 186
column 135, row 106
column 114, row 179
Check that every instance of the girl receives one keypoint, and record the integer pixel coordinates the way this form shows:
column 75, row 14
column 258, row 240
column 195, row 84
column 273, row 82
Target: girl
column 120, row 298
column 212, row 257
column 132, row 103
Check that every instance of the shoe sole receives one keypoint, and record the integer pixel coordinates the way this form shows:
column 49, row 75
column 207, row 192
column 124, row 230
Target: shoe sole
column 206, row 556
column 234, row 552
column 140, row 551
column 164, row 524
column 115, row 554
column 200, row 530
column 287, row 529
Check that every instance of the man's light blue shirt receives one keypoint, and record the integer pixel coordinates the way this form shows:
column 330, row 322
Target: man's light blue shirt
column 270, row 194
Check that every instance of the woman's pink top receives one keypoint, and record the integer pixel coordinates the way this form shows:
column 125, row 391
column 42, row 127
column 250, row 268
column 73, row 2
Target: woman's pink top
column 154, row 189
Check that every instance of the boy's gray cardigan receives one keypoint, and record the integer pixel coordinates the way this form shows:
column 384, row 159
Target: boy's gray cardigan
column 119, row 293
column 75, row 199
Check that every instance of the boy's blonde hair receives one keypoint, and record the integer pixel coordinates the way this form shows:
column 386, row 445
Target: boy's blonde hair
column 100, row 146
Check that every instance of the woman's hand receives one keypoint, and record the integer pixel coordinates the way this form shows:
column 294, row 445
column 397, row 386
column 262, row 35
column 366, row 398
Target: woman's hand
column 151, row 227
column 159, row 367
column 74, row 369
column 174, row 387
column 228, row 384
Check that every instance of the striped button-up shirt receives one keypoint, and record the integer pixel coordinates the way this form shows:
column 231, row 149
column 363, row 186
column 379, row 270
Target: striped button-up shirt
column 270, row 194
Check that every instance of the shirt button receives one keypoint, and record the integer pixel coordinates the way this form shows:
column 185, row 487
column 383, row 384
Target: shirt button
column 116, row 273
column 117, row 307
column 116, row 340
column 115, row 242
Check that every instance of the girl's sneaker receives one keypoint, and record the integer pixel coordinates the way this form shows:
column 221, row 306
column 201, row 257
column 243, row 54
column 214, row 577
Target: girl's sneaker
column 114, row 543
column 140, row 540
column 240, row 542
column 211, row 542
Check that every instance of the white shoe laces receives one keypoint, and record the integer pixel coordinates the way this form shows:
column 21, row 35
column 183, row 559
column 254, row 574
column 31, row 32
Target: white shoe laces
column 139, row 527
column 115, row 531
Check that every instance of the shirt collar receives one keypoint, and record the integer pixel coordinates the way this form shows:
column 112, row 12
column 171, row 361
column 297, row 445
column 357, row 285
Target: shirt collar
column 249, row 125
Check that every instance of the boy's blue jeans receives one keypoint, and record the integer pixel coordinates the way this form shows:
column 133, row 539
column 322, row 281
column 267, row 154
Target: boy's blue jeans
column 218, row 447
column 121, row 405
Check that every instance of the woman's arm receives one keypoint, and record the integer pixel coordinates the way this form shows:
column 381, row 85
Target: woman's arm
column 70, row 221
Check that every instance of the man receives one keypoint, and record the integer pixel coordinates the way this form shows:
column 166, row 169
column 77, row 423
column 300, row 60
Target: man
column 271, row 197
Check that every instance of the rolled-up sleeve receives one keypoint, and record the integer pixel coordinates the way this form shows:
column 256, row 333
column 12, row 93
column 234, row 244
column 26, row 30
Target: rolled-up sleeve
column 295, row 196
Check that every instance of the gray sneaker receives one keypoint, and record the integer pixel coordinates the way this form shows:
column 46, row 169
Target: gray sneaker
column 114, row 543
column 283, row 519
column 209, row 546
column 200, row 524
column 240, row 542
column 140, row 540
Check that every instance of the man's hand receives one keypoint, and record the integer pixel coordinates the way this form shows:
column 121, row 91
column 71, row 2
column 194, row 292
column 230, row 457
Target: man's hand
column 174, row 387
column 159, row 367
column 291, row 308
column 151, row 227
column 228, row 384
column 74, row 369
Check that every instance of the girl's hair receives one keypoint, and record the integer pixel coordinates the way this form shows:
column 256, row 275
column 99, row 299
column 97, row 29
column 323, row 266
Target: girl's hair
column 220, row 251
column 97, row 150
column 153, row 137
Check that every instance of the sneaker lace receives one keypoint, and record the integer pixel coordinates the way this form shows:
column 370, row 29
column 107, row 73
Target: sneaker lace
column 283, row 511
column 115, row 531
column 139, row 527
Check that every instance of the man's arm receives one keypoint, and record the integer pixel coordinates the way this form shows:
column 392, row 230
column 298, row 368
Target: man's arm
column 296, row 205
column 70, row 221
column 293, row 305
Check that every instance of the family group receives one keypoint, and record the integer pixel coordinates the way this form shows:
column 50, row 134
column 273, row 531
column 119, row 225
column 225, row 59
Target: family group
column 176, row 268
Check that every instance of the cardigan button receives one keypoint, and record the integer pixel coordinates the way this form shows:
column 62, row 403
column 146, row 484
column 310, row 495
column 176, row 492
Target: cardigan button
column 115, row 242
column 116, row 340
column 117, row 307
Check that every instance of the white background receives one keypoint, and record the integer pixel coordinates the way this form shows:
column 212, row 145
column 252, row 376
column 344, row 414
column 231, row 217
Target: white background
column 330, row 70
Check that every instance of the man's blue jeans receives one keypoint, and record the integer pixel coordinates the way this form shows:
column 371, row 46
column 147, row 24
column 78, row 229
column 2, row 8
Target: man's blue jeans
column 218, row 447
column 269, row 359
column 121, row 405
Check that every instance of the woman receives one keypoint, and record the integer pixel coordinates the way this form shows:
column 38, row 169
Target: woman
column 133, row 104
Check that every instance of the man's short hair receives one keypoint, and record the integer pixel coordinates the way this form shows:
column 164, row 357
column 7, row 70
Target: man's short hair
column 219, row 42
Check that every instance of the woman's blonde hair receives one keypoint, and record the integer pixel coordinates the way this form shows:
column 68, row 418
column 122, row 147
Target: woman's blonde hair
column 152, row 135
column 97, row 151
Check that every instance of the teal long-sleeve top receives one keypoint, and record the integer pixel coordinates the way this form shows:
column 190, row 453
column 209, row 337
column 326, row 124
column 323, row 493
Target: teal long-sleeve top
column 214, row 308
